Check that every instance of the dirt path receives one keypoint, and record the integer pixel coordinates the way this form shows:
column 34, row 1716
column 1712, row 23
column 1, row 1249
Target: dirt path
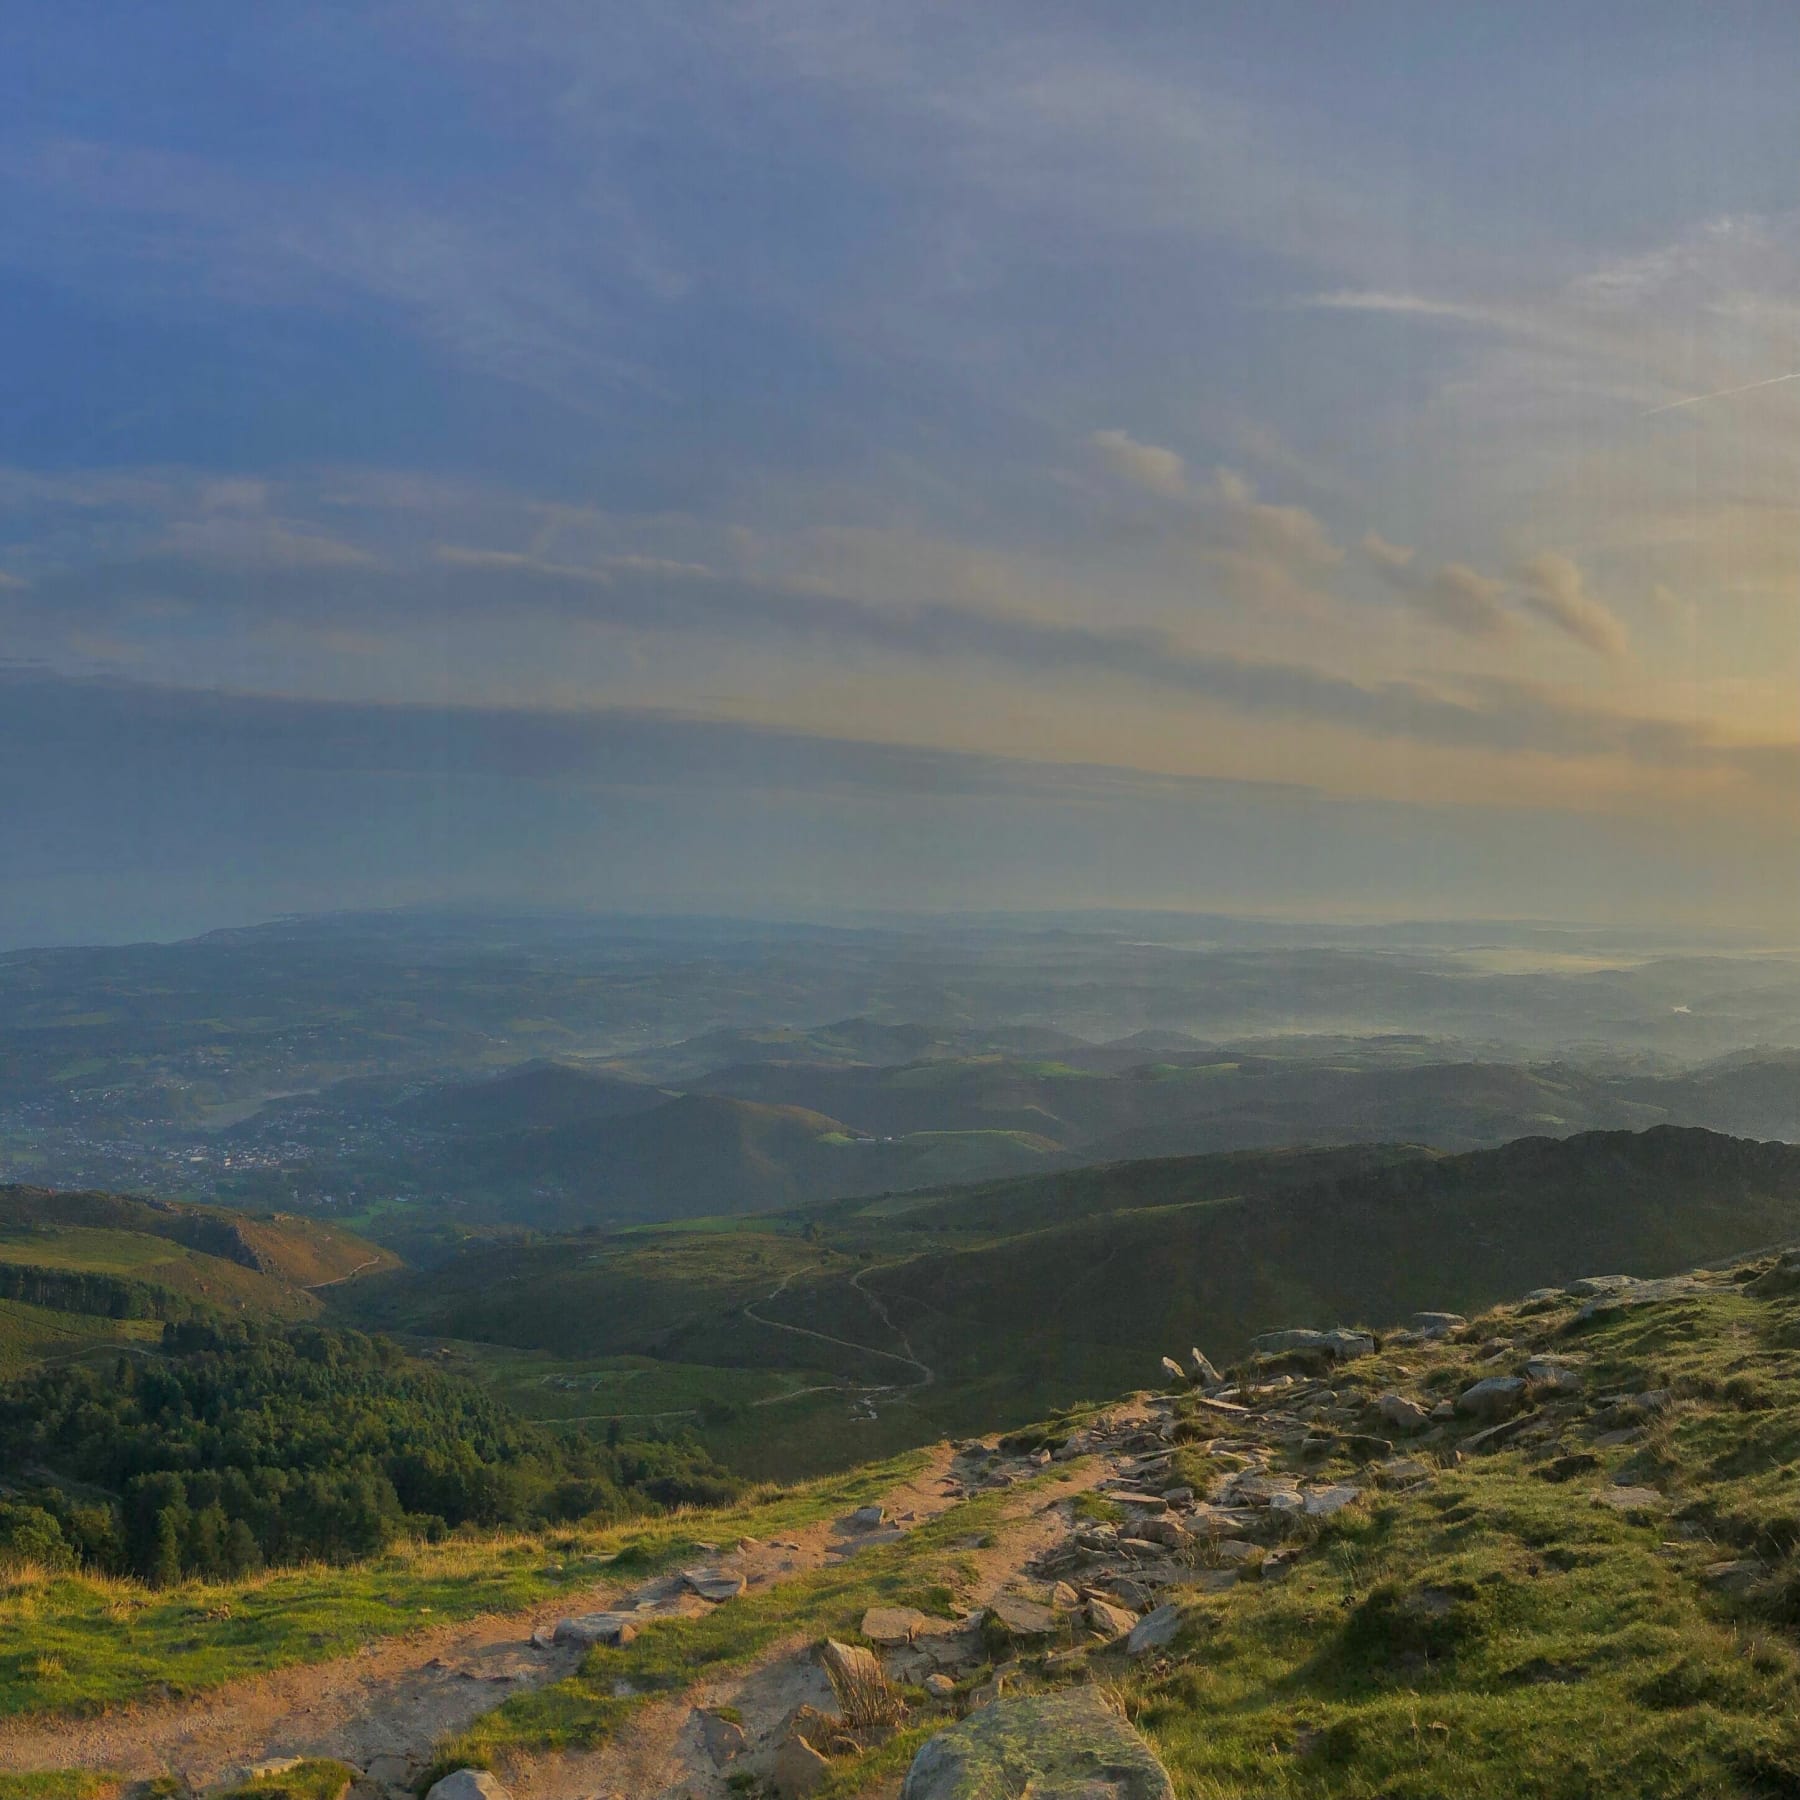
column 400, row 1696
column 664, row 1752
column 927, row 1375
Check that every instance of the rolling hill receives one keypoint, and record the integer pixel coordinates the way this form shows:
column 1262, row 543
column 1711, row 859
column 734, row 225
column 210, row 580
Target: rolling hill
column 938, row 1312
column 81, row 1268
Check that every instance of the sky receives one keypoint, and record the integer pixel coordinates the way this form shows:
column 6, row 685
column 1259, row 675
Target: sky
column 804, row 456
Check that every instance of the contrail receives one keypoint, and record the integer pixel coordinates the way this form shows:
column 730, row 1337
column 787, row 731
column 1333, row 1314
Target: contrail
column 1749, row 387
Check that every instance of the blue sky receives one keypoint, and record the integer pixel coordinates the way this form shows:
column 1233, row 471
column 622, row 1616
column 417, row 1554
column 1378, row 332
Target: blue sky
column 807, row 456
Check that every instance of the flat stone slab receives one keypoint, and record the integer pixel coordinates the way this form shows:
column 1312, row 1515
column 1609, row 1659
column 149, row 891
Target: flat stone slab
column 1155, row 1630
column 1065, row 1746
column 713, row 1584
column 1024, row 1618
column 892, row 1626
column 610, row 1628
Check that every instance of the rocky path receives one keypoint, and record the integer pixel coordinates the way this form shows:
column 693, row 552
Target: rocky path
column 387, row 1707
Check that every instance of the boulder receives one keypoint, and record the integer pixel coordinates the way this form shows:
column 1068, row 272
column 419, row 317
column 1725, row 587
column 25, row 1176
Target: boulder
column 1173, row 1369
column 1155, row 1630
column 1546, row 1372
column 723, row 1739
column 872, row 1518
column 798, row 1770
column 1059, row 1746
column 1108, row 1620
column 1204, row 1372
column 1403, row 1414
column 939, row 1687
column 1436, row 1324
column 850, row 1665
column 713, row 1584
column 1023, row 1618
column 892, row 1626
column 1493, row 1397
column 615, row 1630
column 1321, row 1503
column 469, row 1784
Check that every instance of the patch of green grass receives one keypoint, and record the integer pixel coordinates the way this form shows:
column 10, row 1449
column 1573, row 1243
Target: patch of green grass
column 57, row 1784
column 76, row 1643
column 318, row 1778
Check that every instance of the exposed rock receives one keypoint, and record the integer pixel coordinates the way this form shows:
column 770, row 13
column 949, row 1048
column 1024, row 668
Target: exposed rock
column 1151, row 1503
column 1556, row 1377
column 1108, row 1620
column 1631, row 1499
column 610, row 1628
column 543, row 1637
column 713, row 1584
column 872, row 1518
column 1062, row 1746
column 1173, row 1369
column 939, row 1687
column 1436, row 1324
column 798, row 1770
column 469, row 1784
column 1401, row 1413
column 1337, row 1343
column 1155, row 1630
column 1204, row 1372
column 721, row 1738
column 1493, row 1397
column 850, row 1665
column 1733, row 1577
column 1321, row 1503
column 1590, row 1285
column 1023, row 1618
column 1782, row 1278
column 891, row 1626
column 1162, row 1531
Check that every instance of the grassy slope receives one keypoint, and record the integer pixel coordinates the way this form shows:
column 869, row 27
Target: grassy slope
column 35, row 1334
column 239, row 1262
column 1028, row 1295
column 1567, row 1650
column 74, row 1642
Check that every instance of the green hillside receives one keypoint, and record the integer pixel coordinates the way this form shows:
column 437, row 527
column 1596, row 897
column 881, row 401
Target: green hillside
column 912, row 1317
column 113, row 1259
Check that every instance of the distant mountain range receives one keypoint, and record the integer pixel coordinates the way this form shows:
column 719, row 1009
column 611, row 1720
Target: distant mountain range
column 803, row 1116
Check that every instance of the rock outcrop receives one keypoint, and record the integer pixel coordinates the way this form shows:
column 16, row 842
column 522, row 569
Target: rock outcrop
column 1062, row 1746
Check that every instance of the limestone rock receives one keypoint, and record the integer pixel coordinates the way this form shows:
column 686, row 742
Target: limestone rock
column 1493, row 1397
column 1023, row 1618
column 1108, row 1620
column 722, row 1738
column 615, row 1630
column 1401, row 1413
column 713, row 1584
column 469, row 1784
column 1155, row 1630
column 798, row 1770
column 1436, row 1324
column 891, row 1626
column 1061, row 1746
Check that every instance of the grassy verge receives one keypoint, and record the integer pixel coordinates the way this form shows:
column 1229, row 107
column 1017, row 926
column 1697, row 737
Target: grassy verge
column 76, row 1643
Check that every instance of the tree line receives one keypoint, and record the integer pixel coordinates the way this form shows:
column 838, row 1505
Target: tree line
column 242, row 1446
